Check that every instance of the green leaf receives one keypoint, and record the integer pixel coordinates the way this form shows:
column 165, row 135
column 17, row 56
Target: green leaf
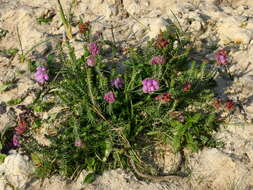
column 153, row 133
column 36, row 159
column 36, row 124
column 44, row 20
column 2, row 157
column 38, row 108
column 89, row 178
column 107, row 151
column 139, row 129
column 90, row 163
column 5, row 87
column 15, row 101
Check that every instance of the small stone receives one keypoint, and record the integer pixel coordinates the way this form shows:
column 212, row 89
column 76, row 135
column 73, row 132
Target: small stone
column 231, row 30
column 17, row 170
column 196, row 26
column 2, row 107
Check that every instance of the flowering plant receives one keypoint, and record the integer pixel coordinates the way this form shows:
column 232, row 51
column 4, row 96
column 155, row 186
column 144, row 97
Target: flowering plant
column 162, row 97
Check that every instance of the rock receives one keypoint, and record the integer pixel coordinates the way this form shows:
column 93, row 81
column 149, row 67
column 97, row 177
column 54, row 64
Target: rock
column 17, row 170
column 79, row 48
column 196, row 26
column 131, row 7
column 220, row 171
column 23, row 19
column 231, row 30
column 153, row 26
column 167, row 160
column 2, row 108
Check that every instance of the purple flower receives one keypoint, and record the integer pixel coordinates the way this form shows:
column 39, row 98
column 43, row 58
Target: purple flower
column 93, row 48
column 157, row 60
column 118, row 82
column 221, row 57
column 110, row 97
column 15, row 140
column 91, row 61
column 41, row 75
column 150, row 85
column 78, row 143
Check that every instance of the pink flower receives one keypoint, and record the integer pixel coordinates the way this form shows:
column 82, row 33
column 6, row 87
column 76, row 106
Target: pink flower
column 164, row 98
column 221, row 57
column 229, row 104
column 91, row 61
column 93, row 48
column 180, row 117
column 187, row 86
column 161, row 42
column 78, row 143
column 21, row 128
column 118, row 82
column 157, row 60
column 41, row 75
column 15, row 140
column 150, row 85
column 110, row 97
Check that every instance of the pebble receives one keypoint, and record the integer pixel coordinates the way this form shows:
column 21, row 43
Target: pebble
column 3, row 108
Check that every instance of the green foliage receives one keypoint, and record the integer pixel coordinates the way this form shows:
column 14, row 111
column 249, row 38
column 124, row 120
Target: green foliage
column 3, row 33
column 6, row 86
column 97, row 135
column 15, row 101
column 89, row 178
column 2, row 156
column 41, row 20
column 8, row 52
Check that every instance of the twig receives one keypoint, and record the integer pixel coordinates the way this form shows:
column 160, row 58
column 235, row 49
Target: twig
column 113, row 37
column 155, row 178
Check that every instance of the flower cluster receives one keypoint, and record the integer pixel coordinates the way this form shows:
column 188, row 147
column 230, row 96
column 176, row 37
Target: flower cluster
column 118, row 82
column 78, row 143
column 84, row 27
column 93, row 49
column 91, row 61
column 161, row 42
column 187, row 86
column 221, row 57
column 19, row 130
column 15, row 140
column 157, row 60
column 164, row 98
column 41, row 75
column 228, row 104
column 110, row 97
column 150, row 85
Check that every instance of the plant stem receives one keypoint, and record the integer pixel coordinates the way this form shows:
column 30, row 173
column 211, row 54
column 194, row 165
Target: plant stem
column 65, row 22
column 90, row 86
